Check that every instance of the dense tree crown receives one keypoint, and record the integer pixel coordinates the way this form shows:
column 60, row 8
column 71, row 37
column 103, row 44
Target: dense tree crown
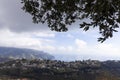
column 59, row 14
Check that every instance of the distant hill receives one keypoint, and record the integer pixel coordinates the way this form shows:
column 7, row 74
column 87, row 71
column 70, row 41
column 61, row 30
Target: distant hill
column 4, row 59
column 19, row 53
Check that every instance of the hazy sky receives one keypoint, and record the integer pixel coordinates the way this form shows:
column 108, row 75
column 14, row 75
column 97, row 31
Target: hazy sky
column 17, row 30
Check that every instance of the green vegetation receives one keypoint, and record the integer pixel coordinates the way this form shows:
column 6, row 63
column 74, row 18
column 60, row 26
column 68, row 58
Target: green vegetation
column 59, row 70
column 59, row 14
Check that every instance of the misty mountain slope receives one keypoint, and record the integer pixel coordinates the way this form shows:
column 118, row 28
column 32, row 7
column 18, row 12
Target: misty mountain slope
column 18, row 53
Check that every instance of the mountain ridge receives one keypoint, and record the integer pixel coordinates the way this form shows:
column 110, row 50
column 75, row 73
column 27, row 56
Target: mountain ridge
column 19, row 53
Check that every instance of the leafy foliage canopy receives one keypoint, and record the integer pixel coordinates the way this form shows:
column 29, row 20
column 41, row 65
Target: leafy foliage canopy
column 58, row 14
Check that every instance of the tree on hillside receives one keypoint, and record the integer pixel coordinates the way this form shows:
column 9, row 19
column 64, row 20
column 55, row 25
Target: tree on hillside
column 59, row 14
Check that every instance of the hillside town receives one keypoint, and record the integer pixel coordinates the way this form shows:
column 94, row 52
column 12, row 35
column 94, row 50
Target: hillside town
column 49, row 64
column 52, row 69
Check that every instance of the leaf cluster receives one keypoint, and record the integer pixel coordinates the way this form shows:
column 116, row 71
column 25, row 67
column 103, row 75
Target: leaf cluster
column 58, row 14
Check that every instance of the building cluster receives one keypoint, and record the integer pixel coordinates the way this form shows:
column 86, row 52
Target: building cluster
column 50, row 64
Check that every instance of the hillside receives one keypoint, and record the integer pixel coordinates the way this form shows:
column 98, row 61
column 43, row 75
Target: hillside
column 19, row 53
column 60, row 70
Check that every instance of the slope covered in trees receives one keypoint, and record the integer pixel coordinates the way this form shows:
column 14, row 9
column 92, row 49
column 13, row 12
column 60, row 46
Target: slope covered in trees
column 19, row 53
column 59, row 70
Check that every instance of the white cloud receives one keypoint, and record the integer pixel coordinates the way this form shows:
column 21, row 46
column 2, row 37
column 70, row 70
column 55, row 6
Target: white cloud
column 70, row 48
column 80, row 49
column 100, row 52
column 15, row 40
column 107, row 50
column 65, row 49
column 80, row 44
column 24, row 40
column 62, row 48
column 41, row 34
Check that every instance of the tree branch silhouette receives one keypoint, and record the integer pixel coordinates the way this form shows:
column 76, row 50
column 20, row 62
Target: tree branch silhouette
column 59, row 14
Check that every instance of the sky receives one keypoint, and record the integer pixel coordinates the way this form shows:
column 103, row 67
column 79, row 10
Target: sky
column 17, row 30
